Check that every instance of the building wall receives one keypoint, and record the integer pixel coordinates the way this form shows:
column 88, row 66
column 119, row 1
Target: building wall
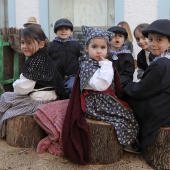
column 137, row 12
column 25, row 9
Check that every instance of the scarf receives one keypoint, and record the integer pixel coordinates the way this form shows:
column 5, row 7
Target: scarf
column 165, row 54
column 122, row 50
column 57, row 38
column 88, row 68
column 39, row 67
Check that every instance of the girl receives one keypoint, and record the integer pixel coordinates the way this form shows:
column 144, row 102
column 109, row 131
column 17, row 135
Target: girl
column 120, row 56
column 150, row 97
column 98, row 88
column 144, row 57
column 37, row 84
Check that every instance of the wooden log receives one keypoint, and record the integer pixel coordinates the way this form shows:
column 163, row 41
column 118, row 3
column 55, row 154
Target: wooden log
column 105, row 146
column 23, row 132
column 158, row 154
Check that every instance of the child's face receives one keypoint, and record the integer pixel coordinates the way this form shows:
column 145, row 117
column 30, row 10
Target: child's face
column 64, row 32
column 117, row 41
column 141, row 40
column 158, row 43
column 29, row 47
column 97, row 49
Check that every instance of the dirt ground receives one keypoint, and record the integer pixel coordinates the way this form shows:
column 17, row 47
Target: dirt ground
column 12, row 158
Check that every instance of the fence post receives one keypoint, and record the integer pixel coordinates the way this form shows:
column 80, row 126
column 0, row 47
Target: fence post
column 15, row 65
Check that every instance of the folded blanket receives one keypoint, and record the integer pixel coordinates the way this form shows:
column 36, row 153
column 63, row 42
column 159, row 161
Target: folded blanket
column 50, row 117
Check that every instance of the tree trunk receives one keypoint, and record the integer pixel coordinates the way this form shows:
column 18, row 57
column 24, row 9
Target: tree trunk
column 158, row 154
column 23, row 132
column 105, row 146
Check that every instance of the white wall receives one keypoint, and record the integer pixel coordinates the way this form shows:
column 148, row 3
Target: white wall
column 137, row 12
column 25, row 9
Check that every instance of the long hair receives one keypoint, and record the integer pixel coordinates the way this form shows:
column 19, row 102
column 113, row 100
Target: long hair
column 140, row 28
column 126, row 26
column 34, row 32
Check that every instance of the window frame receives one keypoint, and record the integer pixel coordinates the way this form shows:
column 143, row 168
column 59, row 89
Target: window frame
column 164, row 9
column 44, row 20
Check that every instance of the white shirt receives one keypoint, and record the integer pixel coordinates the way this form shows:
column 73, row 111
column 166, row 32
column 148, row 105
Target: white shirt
column 102, row 78
column 24, row 86
column 147, row 57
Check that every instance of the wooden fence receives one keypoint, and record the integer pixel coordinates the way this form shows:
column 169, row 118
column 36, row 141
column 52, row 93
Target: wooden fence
column 11, row 59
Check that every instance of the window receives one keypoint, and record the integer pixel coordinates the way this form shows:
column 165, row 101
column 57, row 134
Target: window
column 52, row 10
column 82, row 12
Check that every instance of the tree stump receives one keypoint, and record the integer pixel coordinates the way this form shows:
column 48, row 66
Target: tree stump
column 23, row 132
column 158, row 154
column 105, row 146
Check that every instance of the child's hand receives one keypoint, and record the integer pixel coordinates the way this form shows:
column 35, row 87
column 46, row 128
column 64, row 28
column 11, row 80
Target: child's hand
column 103, row 59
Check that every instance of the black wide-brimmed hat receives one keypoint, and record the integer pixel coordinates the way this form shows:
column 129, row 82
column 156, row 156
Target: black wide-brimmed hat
column 63, row 23
column 118, row 29
column 160, row 26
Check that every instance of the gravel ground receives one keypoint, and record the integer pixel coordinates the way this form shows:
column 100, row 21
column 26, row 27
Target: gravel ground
column 12, row 158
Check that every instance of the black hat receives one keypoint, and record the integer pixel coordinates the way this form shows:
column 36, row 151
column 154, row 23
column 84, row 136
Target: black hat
column 63, row 23
column 161, row 26
column 118, row 29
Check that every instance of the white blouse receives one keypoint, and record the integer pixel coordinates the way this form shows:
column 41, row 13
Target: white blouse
column 24, row 86
column 102, row 78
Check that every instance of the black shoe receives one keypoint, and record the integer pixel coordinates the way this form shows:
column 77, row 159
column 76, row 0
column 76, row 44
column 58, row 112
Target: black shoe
column 133, row 148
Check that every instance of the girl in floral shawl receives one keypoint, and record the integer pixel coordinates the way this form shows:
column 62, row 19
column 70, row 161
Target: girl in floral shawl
column 98, row 82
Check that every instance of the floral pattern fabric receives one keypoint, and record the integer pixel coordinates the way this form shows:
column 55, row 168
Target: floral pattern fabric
column 104, row 107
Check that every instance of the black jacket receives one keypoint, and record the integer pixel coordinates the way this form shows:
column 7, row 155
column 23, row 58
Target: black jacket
column 150, row 100
column 65, row 56
column 125, row 66
column 141, row 60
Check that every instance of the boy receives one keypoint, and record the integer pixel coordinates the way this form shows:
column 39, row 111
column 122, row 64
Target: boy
column 120, row 56
column 150, row 97
column 65, row 51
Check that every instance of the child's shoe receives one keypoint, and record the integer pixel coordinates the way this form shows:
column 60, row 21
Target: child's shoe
column 133, row 148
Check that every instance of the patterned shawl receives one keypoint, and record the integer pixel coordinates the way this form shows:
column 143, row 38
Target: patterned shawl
column 88, row 68
column 39, row 67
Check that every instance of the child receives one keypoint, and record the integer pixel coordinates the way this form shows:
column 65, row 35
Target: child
column 98, row 88
column 150, row 96
column 144, row 57
column 36, row 84
column 129, row 40
column 64, row 50
column 121, row 57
